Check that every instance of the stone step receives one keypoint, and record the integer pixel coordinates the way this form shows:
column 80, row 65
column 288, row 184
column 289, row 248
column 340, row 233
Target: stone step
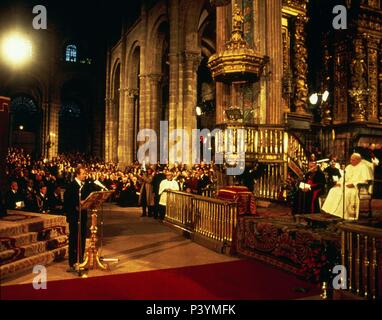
column 26, row 265
column 31, row 249
column 17, row 241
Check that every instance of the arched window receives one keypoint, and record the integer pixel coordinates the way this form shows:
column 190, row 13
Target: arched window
column 71, row 53
column 70, row 109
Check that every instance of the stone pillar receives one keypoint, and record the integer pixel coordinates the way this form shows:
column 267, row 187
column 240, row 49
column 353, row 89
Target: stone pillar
column 122, row 126
column 191, row 63
column 300, row 65
column 155, row 104
column 53, row 130
column 175, row 96
column 131, row 94
column 45, row 129
column 109, row 130
column 274, row 50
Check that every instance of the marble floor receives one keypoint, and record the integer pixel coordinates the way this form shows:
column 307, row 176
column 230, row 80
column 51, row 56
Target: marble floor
column 140, row 244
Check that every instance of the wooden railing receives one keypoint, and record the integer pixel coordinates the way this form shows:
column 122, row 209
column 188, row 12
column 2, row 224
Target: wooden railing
column 271, row 146
column 361, row 247
column 211, row 218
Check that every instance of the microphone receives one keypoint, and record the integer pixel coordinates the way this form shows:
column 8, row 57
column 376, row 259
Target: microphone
column 99, row 184
column 323, row 160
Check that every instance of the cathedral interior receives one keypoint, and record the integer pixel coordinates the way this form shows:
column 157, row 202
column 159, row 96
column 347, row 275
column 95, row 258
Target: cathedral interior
column 278, row 89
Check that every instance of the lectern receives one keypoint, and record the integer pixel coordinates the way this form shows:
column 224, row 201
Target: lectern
column 94, row 202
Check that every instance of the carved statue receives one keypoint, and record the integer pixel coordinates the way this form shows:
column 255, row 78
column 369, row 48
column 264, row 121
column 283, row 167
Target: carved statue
column 358, row 72
column 237, row 18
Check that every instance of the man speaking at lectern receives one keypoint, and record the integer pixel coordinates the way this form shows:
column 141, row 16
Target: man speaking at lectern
column 71, row 206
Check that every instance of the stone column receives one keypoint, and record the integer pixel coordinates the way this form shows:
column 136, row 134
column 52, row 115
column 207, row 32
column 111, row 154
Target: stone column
column 175, row 90
column 53, row 130
column 191, row 63
column 274, row 50
column 50, row 112
column 300, row 65
column 372, row 52
column 108, row 103
column 130, row 138
column 45, row 129
column 154, row 80
column 122, row 126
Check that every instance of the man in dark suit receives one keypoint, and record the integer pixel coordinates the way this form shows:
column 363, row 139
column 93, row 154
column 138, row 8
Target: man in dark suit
column 71, row 205
column 3, row 210
column 56, row 204
column 14, row 198
column 42, row 199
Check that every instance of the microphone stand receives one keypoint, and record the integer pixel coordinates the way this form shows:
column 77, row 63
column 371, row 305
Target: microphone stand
column 101, row 240
column 343, row 196
column 79, row 220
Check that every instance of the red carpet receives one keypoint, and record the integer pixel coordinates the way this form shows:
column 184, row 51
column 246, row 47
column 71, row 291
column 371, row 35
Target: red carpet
column 237, row 280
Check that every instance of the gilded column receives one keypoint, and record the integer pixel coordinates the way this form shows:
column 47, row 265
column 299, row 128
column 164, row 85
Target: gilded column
column 326, row 113
column 380, row 81
column 223, row 18
column 300, row 65
column 359, row 88
column 372, row 106
column 275, row 52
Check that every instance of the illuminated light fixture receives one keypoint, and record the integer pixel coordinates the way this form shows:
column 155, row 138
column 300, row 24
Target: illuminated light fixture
column 198, row 111
column 325, row 96
column 313, row 99
column 16, row 49
column 21, row 127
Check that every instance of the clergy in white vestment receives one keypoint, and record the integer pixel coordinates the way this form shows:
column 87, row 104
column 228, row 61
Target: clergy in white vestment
column 166, row 185
column 356, row 172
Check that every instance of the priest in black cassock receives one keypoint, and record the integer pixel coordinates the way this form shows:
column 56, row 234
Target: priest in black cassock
column 310, row 189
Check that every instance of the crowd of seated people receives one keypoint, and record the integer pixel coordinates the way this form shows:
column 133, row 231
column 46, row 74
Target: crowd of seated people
column 38, row 185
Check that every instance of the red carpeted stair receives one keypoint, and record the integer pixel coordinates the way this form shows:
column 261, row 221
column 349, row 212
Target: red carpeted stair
column 237, row 280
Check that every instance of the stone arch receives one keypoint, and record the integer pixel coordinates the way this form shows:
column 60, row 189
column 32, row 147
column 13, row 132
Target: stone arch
column 27, row 85
column 134, row 65
column 160, row 33
column 192, row 13
column 116, row 64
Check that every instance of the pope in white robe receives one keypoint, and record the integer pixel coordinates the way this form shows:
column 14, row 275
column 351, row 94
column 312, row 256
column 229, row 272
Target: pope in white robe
column 356, row 172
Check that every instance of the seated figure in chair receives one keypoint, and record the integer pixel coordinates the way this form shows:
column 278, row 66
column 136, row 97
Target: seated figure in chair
column 356, row 173
column 309, row 192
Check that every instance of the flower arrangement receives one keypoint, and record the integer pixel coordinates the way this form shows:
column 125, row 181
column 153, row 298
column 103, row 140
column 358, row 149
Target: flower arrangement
column 319, row 261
